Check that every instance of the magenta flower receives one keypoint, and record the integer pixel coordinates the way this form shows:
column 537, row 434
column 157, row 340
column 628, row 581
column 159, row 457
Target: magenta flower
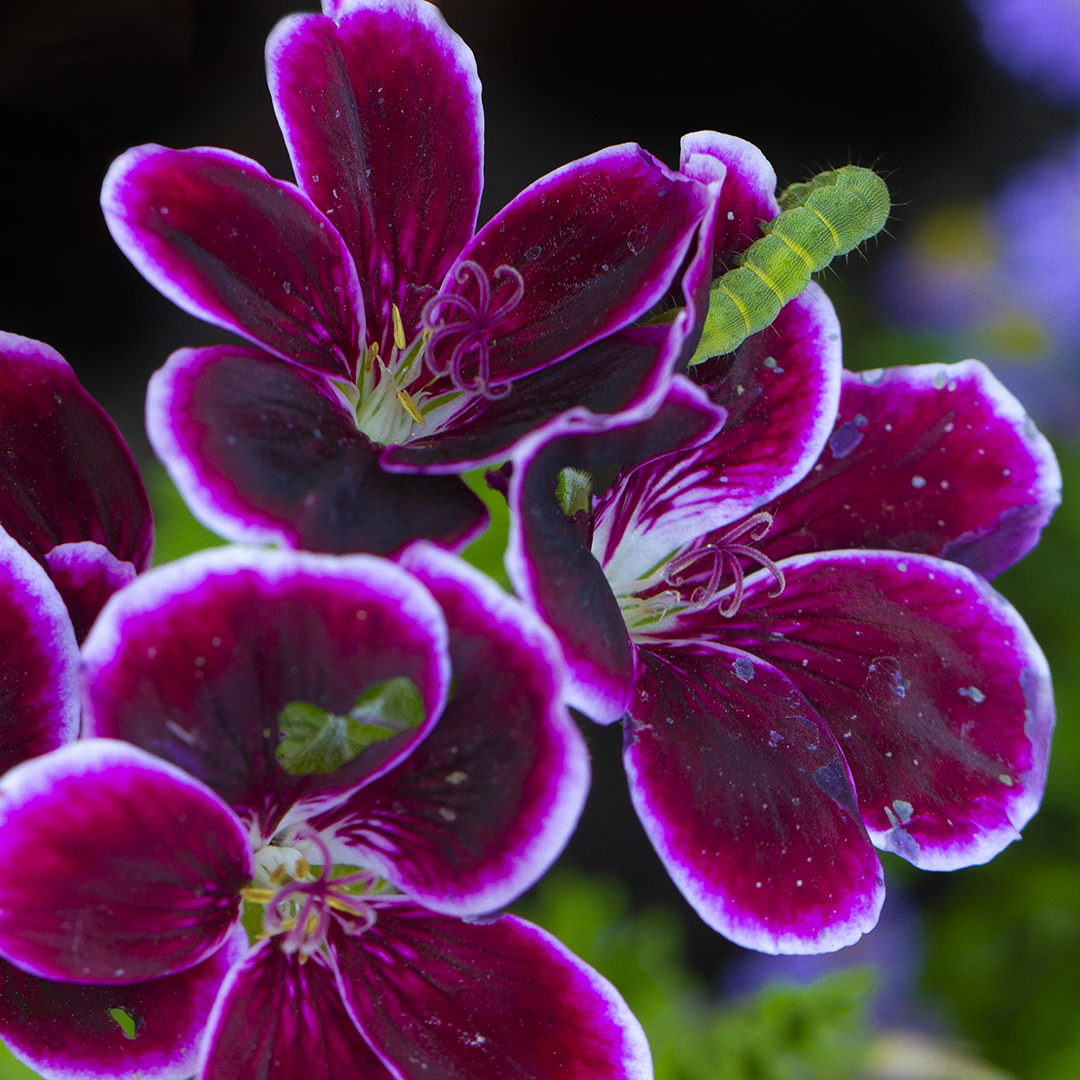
column 794, row 622
column 388, row 339
column 124, row 865
column 70, row 493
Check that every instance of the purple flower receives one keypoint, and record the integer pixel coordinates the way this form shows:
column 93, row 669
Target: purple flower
column 794, row 621
column 70, row 494
column 1037, row 41
column 389, row 341
column 265, row 713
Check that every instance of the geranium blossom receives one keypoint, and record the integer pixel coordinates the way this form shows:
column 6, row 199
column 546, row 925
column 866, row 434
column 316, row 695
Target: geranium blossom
column 70, row 493
column 126, row 855
column 794, row 621
column 386, row 335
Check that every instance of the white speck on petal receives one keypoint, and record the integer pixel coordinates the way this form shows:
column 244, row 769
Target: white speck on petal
column 972, row 692
column 918, row 481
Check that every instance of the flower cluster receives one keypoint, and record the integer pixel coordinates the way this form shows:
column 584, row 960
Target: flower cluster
column 263, row 806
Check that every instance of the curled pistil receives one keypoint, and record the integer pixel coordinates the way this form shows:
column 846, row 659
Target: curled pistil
column 473, row 331
column 716, row 556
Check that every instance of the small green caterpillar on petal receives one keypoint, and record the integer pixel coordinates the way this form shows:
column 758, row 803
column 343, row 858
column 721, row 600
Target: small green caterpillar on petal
column 827, row 216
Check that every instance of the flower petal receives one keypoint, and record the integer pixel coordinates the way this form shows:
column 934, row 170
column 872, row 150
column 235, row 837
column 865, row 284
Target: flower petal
column 39, row 676
column 66, row 474
column 86, row 575
column 443, row 997
column 745, row 795
column 597, row 243
column 261, row 452
column 749, row 195
column 937, row 459
column 932, row 685
column 196, row 660
column 114, row 866
column 781, row 393
column 65, row 1031
column 548, row 557
column 488, row 800
column 278, row 1018
column 382, row 118
column 225, row 241
column 619, row 379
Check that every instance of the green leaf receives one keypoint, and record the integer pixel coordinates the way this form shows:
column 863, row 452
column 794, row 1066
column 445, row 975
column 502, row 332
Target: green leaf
column 316, row 741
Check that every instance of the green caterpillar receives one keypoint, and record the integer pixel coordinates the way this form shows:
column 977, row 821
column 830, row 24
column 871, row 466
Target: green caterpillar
column 822, row 218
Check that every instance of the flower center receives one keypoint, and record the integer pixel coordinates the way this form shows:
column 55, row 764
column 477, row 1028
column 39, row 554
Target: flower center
column 472, row 331
column 299, row 902
column 693, row 578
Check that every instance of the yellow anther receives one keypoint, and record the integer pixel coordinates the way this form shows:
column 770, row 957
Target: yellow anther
column 372, row 356
column 399, row 330
column 255, row 895
column 278, row 876
column 409, row 406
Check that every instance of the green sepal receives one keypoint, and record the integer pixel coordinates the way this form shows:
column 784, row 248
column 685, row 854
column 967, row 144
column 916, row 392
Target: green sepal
column 316, row 741
column 574, row 491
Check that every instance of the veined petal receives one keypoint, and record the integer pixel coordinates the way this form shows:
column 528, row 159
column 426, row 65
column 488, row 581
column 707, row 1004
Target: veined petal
column 488, row 800
column 39, row 676
column 548, row 557
column 939, row 459
column 66, row 474
column 114, row 866
column 441, row 997
column 262, row 453
column 225, row 241
column 196, row 660
column 931, row 683
column 597, row 243
column 381, row 114
column 781, row 393
column 278, row 1018
column 65, row 1031
column 749, row 195
column 747, row 799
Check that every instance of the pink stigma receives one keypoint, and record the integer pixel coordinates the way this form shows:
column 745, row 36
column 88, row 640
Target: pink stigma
column 473, row 331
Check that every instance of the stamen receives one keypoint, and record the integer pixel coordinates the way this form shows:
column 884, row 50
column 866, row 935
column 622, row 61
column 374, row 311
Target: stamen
column 722, row 554
column 399, row 330
column 409, row 406
column 474, row 330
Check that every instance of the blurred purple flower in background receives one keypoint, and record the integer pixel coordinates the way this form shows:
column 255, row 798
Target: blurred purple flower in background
column 1036, row 41
column 1003, row 283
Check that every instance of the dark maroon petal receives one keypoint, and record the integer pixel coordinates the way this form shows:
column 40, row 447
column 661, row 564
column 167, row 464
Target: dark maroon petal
column 597, row 243
column 937, row 459
column 382, row 118
column 486, row 803
column 548, row 557
column 624, row 375
column 747, row 799
column 114, row 866
column 65, row 1031
column 931, row 683
column 196, row 660
column 39, row 674
column 86, row 575
column 441, row 997
column 261, row 452
column 66, row 474
column 748, row 197
column 224, row 240
column 781, row 392
column 278, row 1018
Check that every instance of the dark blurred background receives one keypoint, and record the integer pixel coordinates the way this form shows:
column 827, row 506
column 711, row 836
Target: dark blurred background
column 905, row 88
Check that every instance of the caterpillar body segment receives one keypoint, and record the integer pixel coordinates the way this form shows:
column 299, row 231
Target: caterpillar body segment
column 826, row 216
